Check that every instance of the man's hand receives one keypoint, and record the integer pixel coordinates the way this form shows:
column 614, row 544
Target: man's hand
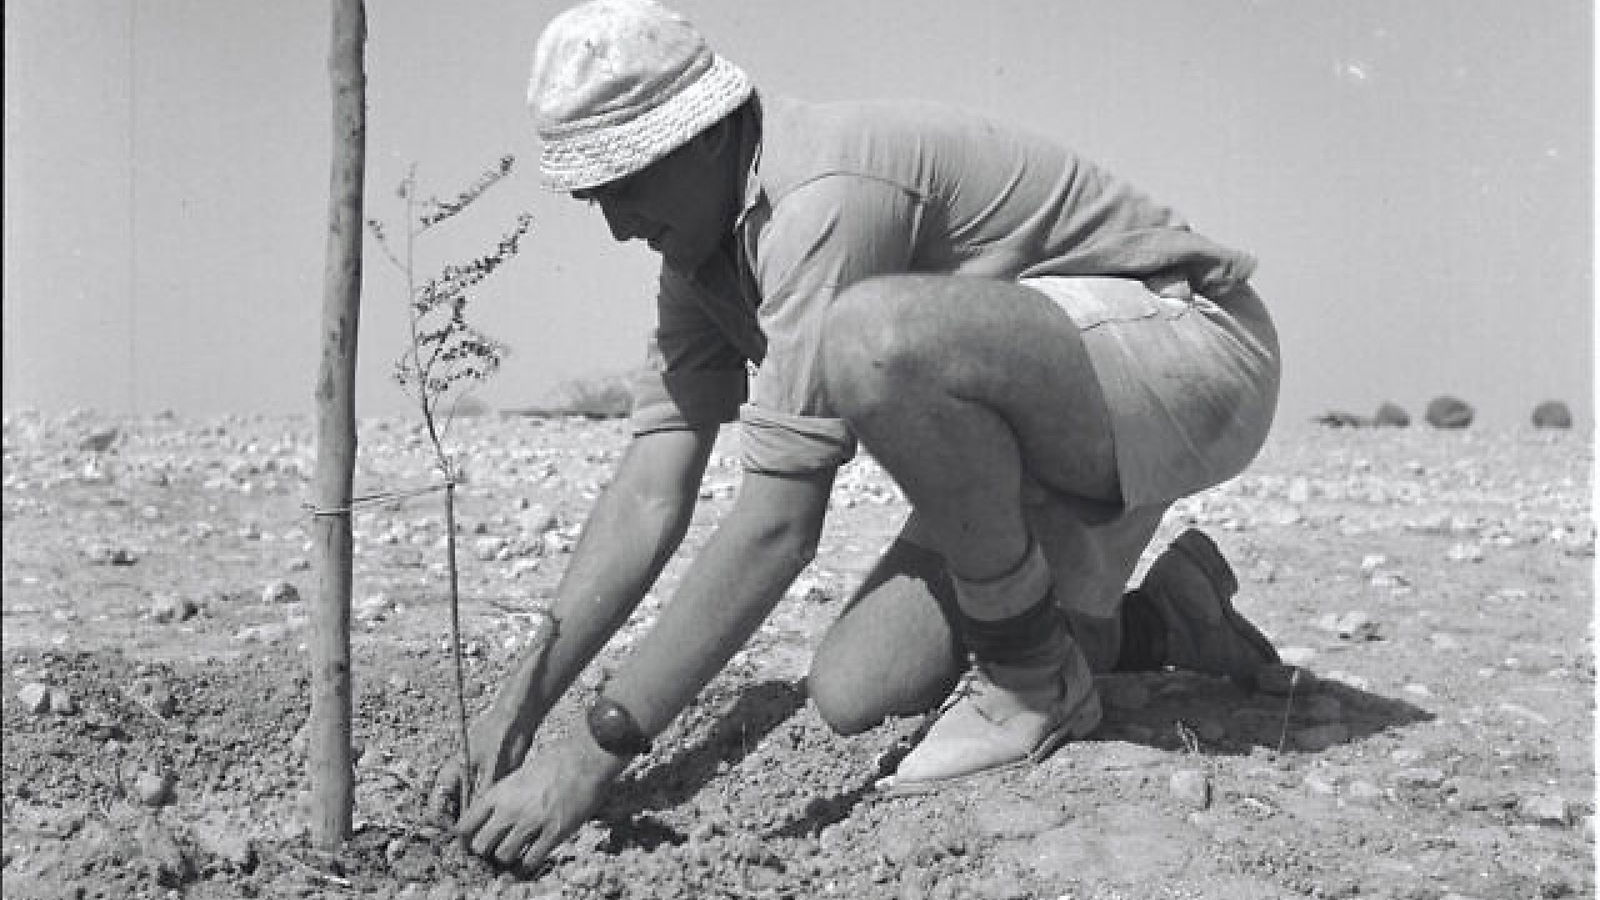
column 525, row 815
column 498, row 745
column 500, row 737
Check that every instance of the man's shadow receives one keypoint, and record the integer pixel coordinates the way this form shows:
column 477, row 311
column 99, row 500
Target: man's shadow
column 760, row 708
column 1209, row 715
column 1171, row 711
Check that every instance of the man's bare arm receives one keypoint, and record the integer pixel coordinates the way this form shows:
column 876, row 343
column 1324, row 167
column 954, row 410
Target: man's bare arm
column 735, row 581
column 635, row 527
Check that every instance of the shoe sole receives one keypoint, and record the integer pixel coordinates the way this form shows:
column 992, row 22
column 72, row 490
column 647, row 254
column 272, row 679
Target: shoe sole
column 1080, row 723
column 1203, row 552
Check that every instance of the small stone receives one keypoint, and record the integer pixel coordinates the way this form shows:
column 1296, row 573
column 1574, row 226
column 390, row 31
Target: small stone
column 226, row 842
column 270, row 633
column 1297, row 656
column 162, row 855
column 35, row 697
column 1443, row 642
column 1357, row 625
column 280, row 592
column 1263, row 572
column 1191, row 787
column 100, row 440
column 808, row 589
column 1009, row 819
column 1348, row 679
column 172, row 608
column 1545, row 809
column 1319, row 785
column 1299, row 490
column 1372, row 562
column 1465, row 553
column 372, row 609
column 1419, row 777
column 154, row 788
column 62, row 703
column 1363, row 792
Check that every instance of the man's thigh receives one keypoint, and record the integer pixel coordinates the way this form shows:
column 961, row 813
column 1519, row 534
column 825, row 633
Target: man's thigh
column 995, row 343
column 1190, row 390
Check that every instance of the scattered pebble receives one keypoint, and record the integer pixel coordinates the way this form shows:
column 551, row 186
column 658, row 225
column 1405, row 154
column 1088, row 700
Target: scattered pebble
column 280, row 592
column 1418, row 777
column 1443, row 642
column 1545, row 809
column 1297, row 656
column 1363, row 792
column 154, row 788
column 1320, row 785
column 1299, row 490
column 372, row 609
column 808, row 589
column 62, row 703
column 1191, row 787
column 1355, row 625
column 1011, row 819
column 172, row 608
column 35, row 697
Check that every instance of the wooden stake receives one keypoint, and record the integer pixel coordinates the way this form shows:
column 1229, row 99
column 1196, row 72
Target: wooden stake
column 331, row 770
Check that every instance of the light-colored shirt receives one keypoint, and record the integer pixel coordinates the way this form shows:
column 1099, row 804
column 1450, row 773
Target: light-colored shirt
column 840, row 192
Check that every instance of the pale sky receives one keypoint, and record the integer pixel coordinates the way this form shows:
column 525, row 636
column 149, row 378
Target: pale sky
column 1416, row 177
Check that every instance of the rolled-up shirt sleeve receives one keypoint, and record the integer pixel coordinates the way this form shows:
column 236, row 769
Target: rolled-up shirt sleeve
column 822, row 237
column 693, row 376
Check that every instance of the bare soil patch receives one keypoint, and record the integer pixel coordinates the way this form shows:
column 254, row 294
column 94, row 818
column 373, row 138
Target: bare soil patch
column 1437, row 585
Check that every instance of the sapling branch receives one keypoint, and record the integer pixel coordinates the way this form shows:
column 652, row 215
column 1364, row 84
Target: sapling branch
column 446, row 359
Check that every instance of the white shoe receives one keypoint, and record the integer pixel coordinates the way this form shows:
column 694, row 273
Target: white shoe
column 987, row 727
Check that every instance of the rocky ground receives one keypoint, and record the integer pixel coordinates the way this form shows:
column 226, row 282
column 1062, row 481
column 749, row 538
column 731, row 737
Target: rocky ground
column 1433, row 588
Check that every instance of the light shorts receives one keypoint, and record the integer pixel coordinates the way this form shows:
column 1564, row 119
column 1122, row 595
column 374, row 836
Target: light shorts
column 1191, row 385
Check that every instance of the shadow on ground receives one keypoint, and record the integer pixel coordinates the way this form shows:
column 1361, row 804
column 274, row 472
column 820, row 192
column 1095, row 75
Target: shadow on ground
column 1178, row 710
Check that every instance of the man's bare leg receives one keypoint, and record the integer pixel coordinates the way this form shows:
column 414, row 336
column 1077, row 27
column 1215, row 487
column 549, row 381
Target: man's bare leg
column 957, row 386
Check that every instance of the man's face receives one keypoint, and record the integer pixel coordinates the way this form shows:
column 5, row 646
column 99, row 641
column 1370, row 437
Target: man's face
column 681, row 205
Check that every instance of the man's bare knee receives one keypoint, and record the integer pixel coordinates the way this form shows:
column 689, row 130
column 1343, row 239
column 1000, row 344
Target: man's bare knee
column 870, row 345
column 840, row 704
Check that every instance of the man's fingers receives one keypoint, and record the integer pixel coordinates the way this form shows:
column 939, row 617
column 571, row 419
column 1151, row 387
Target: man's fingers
column 489, row 836
column 540, row 849
column 473, row 818
column 514, row 843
